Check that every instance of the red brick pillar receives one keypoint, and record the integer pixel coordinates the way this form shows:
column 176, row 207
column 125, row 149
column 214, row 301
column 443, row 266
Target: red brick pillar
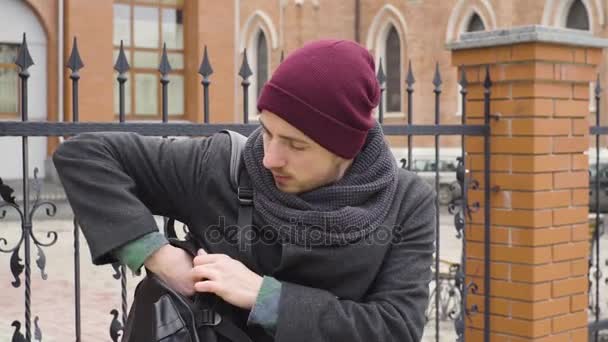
column 539, row 172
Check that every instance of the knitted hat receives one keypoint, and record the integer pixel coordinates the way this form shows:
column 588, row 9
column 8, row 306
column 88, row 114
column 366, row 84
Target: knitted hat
column 327, row 89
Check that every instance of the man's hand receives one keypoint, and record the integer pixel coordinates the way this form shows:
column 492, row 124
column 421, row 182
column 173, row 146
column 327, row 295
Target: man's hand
column 227, row 278
column 173, row 266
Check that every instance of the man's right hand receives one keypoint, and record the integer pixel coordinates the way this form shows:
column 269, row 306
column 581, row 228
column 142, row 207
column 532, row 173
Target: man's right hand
column 174, row 266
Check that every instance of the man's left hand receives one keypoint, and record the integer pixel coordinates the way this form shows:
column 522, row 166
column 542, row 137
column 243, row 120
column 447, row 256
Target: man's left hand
column 227, row 278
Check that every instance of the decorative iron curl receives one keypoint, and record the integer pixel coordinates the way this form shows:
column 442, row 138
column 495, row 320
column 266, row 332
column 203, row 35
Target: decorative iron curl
column 474, row 184
column 41, row 262
column 16, row 267
column 459, row 327
column 473, row 208
column 51, row 210
column 6, row 192
column 116, row 268
column 455, row 207
column 404, row 163
column 472, row 286
column 16, row 263
column 49, row 235
column 9, row 201
column 12, row 205
column 116, row 328
column 17, row 335
column 37, row 330
column 3, row 241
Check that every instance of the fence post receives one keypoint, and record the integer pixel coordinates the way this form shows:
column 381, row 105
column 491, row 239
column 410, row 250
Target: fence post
column 539, row 233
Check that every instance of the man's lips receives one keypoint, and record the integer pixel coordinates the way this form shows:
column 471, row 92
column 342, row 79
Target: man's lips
column 280, row 177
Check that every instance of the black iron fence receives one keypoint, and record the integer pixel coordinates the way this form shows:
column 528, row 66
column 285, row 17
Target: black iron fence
column 449, row 293
column 597, row 187
column 448, row 304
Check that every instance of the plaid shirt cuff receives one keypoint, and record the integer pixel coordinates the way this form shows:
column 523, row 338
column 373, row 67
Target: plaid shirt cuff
column 265, row 311
column 134, row 253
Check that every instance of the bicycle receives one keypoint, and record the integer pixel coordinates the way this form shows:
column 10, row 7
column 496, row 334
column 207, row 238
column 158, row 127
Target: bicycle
column 450, row 297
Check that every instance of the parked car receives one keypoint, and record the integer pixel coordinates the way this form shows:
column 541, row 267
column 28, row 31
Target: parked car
column 423, row 163
column 601, row 227
column 603, row 188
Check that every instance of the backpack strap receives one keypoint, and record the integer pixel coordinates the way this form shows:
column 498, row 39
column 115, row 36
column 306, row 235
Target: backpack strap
column 229, row 330
column 237, row 144
column 245, row 220
column 241, row 181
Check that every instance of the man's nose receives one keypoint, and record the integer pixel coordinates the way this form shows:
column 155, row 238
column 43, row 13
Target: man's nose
column 273, row 156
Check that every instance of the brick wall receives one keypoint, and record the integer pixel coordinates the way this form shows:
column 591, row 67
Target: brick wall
column 539, row 180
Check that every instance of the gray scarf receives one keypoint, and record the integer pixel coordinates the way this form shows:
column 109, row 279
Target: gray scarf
column 337, row 213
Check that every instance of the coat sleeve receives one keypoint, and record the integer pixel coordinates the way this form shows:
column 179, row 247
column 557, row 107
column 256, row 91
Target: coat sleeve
column 116, row 182
column 393, row 309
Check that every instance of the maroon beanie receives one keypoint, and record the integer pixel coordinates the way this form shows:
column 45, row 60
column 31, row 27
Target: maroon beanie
column 327, row 89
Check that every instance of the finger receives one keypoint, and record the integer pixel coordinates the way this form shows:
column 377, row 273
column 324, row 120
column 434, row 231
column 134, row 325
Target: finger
column 207, row 259
column 206, row 286
column 201, row 252
column 204, row 272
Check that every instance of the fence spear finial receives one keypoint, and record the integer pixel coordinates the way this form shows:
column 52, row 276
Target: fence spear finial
column 24, row 59
column 205, row 69
column 74, row 61
column 165, row 67
column 464, row 83
column 245, row 71
column 121, row 65
column 437, row 79
column 487, row 83
column 381, row 76
column 410, row 76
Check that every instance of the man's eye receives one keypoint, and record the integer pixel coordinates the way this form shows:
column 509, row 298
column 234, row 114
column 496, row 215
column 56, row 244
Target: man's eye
column 298, row 148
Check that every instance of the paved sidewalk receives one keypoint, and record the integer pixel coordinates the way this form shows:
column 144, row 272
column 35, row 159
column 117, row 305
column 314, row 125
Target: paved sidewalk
column 49, row 191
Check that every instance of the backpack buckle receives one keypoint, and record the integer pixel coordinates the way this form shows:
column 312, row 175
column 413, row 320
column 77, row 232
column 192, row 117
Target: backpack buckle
column 245, row 196
column 208, row 317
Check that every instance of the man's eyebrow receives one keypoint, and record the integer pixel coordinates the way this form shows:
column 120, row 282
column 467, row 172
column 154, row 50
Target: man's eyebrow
column 284, row 136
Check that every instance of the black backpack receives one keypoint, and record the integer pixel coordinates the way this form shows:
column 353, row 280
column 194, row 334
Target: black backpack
column 159, row 313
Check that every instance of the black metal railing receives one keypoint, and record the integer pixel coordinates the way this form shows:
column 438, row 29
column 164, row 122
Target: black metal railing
column 597, row 325
column 459, row 207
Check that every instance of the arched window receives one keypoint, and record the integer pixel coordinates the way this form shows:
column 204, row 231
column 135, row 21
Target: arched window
column 577, row 16
column 393, row 71
column 262, row 63
column 475, row 24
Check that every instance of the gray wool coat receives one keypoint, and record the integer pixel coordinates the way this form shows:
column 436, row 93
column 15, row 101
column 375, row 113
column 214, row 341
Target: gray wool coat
column 375, row 289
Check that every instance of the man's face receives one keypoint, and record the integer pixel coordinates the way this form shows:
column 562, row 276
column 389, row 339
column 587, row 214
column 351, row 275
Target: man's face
column 297, row 163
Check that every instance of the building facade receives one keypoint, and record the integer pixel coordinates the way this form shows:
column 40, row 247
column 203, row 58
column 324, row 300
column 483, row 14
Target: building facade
column 397, row 32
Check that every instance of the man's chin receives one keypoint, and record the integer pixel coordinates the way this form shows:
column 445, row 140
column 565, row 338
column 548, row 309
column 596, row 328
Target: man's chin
column 287, row 188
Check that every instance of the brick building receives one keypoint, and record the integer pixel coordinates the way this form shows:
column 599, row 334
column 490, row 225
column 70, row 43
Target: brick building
column 397, row 31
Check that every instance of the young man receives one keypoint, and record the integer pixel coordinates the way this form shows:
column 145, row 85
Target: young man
column 353, row 234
